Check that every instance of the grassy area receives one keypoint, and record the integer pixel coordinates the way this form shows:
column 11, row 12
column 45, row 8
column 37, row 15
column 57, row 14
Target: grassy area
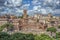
column 22, row 36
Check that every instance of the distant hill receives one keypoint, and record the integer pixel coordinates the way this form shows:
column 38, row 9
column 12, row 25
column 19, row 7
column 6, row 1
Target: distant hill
column 56, row 14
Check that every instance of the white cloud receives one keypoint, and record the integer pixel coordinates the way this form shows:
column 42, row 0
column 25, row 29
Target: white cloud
column 36, row 2
column 57, row 11
column 19, row 10
column 43, row 11
column 30, row 12
column 37, row 7
column 49, row 10
column 58, row 2
column 49, row 1
column 13, row 2
column 25, row 6
column 48, row 5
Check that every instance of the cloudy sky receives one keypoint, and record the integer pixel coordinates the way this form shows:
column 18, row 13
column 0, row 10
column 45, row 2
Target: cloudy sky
column 32, row 6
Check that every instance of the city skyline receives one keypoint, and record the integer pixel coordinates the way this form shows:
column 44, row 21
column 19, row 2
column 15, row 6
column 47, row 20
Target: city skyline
column 32, row 6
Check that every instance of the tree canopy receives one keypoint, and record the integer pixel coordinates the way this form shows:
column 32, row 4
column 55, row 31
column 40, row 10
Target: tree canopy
column 4, row 36
column 22, row 36
column 7, row 25
column 58, row 26
column 58, row 35
column 43, row 37
column 51, row 29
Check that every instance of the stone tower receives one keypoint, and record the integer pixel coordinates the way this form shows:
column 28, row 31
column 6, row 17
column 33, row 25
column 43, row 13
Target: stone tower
column 50, row 17
column 25, row 17
column 24, row 14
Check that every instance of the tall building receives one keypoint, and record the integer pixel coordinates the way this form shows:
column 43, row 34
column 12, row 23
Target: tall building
column 50, row 17
column 24, row 14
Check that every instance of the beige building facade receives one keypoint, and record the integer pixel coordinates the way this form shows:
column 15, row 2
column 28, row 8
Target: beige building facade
column 37, row 22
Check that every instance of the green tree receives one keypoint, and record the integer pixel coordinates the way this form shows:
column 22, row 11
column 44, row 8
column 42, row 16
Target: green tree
column 2, row 27
column 7, row 25
column 4, row 36
column 58, row 35
column 43, row 37
column 58, row 26
column 21, row 36
column 20, row 16
column 29, row 37
column 52, row 29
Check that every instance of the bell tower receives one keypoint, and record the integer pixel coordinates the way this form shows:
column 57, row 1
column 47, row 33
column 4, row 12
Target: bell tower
column 50, row 17
column 25, row 17
column 24, row 14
